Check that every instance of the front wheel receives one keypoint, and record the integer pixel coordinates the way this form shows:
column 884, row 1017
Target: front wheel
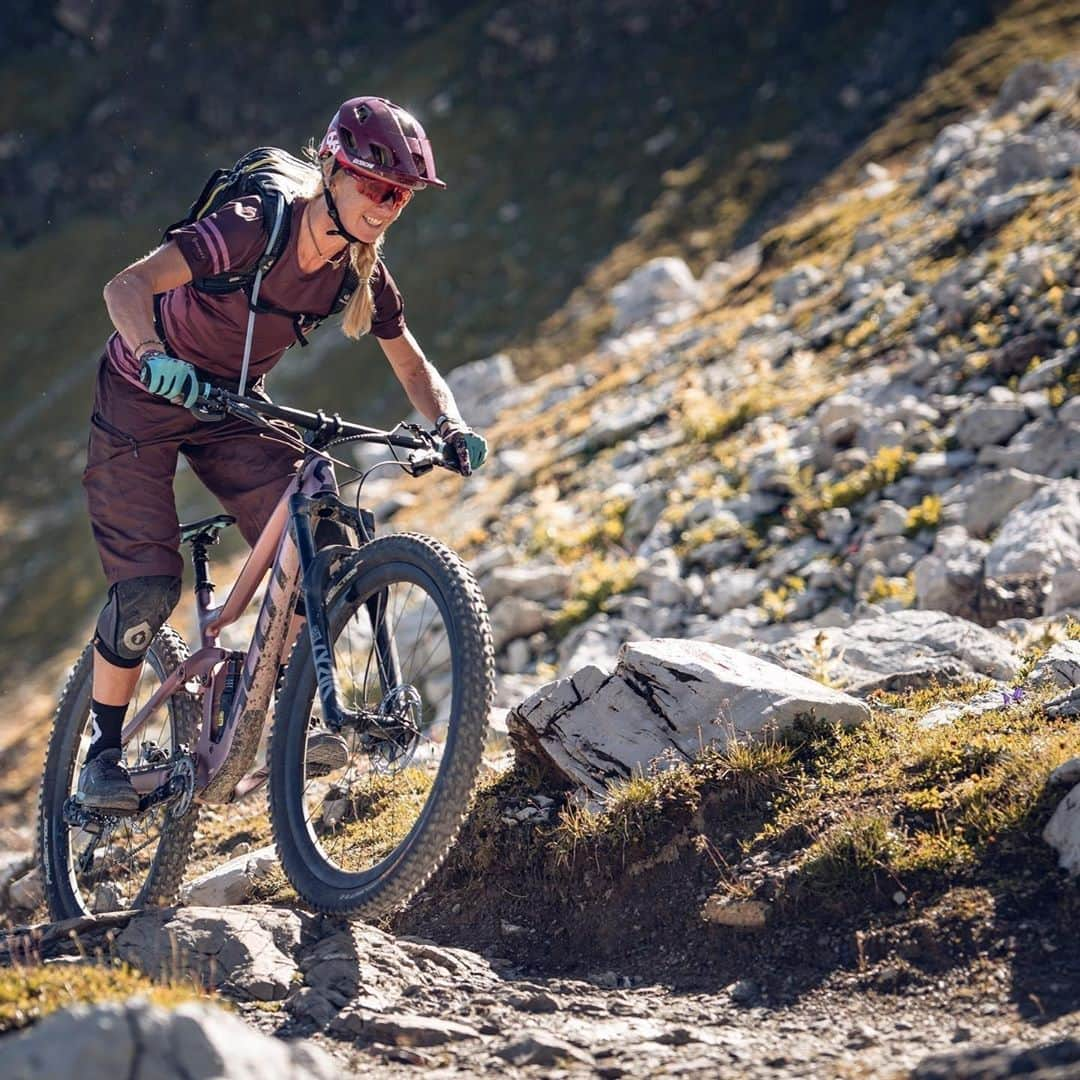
column 413, row 651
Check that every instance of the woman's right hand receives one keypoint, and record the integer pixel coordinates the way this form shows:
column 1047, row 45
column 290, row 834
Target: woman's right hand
column 170, row 378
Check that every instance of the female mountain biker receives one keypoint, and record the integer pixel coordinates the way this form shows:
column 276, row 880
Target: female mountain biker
column 372, row 159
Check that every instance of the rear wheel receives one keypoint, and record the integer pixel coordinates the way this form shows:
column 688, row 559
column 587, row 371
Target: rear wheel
column 122, row 862
column 413, row 651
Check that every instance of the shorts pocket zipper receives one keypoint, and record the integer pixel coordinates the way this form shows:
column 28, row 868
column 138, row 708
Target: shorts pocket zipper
column 99, row 421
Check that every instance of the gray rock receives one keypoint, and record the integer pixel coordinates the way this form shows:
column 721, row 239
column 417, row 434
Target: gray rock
column 28, row 892
column 231, row 883
column 941, row 465
column 478, row 387
column 644, row 511
column 1048, row 373
column 744, row 992
column 953, row 143
column 1068, row 773
column 899, row 650
column 597, row 641
column 797, row 284
column 1051, row 1061
column 543, row 582
column 1041, row 537
column 660, row 284
column 665, row 697
column 402, row 1029
column 1062, row 832
column 1058, row 666
column 542, row 1048
column 140, row 1040
column 992, row 213
column 994, row 495
column 1021, row 85
column 731, row 589
column 248, row 951
column 1047, row 447
column 989, row 423
column 948, row 578
column 513, row 617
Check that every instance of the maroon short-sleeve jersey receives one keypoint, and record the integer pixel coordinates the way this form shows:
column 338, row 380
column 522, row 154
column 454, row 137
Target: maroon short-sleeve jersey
column 209, row 330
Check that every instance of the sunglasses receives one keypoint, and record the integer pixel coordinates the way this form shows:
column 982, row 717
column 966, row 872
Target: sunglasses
column 378, row 191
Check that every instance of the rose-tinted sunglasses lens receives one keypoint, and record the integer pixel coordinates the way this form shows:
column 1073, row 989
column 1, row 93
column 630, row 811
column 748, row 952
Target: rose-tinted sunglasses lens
column 381, row 193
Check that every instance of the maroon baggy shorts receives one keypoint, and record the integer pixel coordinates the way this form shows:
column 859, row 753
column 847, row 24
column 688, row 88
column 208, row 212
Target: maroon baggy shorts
column 131, row 459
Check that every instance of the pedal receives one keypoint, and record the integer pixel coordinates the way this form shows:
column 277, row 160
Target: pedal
column 251, row 783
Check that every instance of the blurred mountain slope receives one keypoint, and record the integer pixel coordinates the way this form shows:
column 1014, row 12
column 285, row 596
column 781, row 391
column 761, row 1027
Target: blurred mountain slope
column 579, row 140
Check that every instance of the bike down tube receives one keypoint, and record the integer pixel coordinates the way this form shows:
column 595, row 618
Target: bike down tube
column 223, row 764
column 334, row 712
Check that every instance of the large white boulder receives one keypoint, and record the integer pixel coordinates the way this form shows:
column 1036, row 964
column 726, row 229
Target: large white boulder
column 667, row 698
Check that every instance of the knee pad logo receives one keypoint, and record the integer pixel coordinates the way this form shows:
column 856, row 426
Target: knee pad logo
column 137, row 638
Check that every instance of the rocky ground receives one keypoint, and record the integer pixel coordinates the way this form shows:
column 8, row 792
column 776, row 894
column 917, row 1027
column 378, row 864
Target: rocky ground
column 850, row 450
column 367, row 998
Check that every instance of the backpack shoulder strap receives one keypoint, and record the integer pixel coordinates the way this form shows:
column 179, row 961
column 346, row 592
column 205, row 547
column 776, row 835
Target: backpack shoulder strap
column 274, row 247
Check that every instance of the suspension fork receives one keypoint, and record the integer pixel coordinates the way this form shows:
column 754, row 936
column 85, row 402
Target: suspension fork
column 314, row 575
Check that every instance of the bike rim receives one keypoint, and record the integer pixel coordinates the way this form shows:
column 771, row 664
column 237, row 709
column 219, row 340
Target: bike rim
column 363, row 816
column 108, row 871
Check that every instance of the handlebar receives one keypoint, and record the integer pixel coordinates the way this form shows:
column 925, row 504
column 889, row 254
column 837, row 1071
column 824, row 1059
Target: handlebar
column 214, row 402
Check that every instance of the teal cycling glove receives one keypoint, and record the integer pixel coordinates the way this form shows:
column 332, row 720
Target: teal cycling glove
column 470, row 448
column 169, row 378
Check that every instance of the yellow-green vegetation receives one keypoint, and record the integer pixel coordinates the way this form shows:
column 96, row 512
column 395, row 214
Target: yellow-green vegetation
column 887, row 465
column 927, row 515
column 706, row 420
column 378, row 813
column 29, row 992
column 596, row 582
column 918, row 799
column 746, row 769
column 1036, row 648
column 776, row 601
column 598, row 532
column 860, row 845
column 892, row 588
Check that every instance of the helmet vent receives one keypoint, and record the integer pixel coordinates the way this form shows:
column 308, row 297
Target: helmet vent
column 381, row 156
column 361, row 112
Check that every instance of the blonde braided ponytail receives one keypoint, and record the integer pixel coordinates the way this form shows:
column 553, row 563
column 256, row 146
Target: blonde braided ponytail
column 356, row 318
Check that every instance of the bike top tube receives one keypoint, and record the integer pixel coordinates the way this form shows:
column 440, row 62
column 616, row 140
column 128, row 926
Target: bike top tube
column 324, row 429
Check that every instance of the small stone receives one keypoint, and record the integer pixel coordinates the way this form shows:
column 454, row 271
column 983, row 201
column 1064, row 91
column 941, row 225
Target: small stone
column 28, row 892
column 744, row 992
column 535, row 1003
column 540, row 1048
column 401, row 1029
column 899, row 898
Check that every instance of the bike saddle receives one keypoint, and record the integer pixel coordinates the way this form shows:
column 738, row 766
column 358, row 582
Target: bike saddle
column 205, row 531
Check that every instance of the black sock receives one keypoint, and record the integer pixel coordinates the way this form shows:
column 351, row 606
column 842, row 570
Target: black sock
column 105, row 724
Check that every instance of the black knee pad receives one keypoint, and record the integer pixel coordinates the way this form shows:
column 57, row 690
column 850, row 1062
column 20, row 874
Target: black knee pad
column 133, row 614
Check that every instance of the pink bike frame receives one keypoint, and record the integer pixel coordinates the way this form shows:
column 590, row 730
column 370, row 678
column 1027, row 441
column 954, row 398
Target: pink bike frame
column 221, row 765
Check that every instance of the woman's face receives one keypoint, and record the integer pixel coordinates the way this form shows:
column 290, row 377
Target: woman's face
column 367, row 205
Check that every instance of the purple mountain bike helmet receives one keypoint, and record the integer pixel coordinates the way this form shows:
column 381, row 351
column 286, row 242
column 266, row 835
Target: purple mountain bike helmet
column 374, row 136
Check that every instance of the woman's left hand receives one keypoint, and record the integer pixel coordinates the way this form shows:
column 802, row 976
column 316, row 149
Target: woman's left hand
column 471, row 448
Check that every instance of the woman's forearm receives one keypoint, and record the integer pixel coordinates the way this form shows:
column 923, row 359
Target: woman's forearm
column 130, row 303
column 425, row 387
column 129, row 297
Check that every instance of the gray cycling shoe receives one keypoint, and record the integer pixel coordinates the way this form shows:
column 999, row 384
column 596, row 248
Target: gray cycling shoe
column 326, row 753
column 104, row 784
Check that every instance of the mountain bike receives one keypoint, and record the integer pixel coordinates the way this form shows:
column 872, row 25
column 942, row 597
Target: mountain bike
column 383, row 640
